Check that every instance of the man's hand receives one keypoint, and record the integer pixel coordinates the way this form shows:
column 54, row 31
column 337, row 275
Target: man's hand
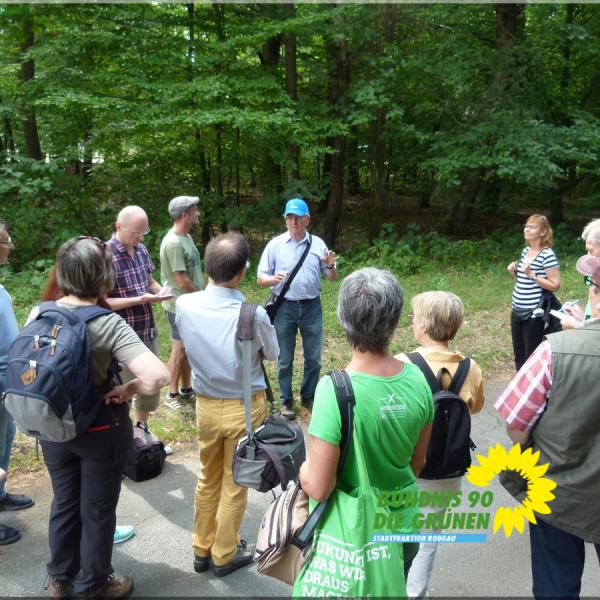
column 329, row 258
column 118, row 395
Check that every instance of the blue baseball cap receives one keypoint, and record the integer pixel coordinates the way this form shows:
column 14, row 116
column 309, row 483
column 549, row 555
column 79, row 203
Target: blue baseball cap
column 296, row 206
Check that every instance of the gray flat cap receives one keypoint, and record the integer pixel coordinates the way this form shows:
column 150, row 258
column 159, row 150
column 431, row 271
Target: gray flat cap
column 180, row 204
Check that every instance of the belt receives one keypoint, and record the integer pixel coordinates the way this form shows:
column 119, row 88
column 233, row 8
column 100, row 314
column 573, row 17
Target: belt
column 304, row 301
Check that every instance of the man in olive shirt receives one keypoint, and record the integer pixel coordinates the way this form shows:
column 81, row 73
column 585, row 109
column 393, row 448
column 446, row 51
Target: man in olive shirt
column 181, row 271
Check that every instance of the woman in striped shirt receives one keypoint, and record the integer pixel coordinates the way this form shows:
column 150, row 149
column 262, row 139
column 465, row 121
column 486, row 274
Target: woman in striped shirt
column 536, row 271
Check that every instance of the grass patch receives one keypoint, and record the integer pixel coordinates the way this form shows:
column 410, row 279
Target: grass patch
column 476, row 273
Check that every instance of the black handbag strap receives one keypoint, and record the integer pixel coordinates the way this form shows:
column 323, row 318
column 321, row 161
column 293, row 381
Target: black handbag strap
column 346, row 401
column 286, row 285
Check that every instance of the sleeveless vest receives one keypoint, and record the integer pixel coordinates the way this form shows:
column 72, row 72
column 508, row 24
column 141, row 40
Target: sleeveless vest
column 568, row 433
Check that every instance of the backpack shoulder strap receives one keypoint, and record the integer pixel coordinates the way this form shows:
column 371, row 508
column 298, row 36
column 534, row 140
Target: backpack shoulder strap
column 83, row 313
column 459, row 377
column 417, row 359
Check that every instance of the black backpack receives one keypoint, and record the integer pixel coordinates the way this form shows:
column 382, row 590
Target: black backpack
column 450, row 444
column 49, row 389
column 146, row 457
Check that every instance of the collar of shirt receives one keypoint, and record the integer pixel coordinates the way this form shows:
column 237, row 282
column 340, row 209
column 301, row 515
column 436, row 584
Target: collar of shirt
column 120, row 246
column 223, row 292
column 437, row 355
column 289, row 238
column 591, row 321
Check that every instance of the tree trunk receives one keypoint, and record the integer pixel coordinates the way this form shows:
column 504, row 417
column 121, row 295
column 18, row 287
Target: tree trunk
column 353, row 165
column 269, row 59
column 30, row 129
column 338, row 82
column 463, row 208
column 291, row 87
column 380, row 188
column 509, row 25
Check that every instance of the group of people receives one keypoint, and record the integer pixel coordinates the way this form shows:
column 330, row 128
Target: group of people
column 205, row 364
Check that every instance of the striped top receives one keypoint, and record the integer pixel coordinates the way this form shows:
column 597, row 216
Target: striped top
column 527, row 293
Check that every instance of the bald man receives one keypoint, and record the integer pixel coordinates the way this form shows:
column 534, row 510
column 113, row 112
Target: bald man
column 136, row 290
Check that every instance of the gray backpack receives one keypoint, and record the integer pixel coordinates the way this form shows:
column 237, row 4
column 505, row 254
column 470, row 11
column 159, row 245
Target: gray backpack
column 271, row 454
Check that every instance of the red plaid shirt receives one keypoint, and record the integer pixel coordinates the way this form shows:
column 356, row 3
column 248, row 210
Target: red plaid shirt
column 131, row 275
column 524, row 400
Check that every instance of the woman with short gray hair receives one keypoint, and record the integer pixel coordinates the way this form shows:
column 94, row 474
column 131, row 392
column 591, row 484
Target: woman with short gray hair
column 369, row 307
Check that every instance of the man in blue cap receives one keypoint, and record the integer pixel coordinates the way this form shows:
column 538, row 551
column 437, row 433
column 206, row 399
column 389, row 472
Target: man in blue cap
column 301, row 307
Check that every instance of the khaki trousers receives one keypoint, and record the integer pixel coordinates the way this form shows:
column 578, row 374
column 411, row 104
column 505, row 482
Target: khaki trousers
column 219, row 503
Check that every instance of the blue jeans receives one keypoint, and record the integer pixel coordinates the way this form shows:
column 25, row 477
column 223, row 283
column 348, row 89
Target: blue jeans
column 557, row 561
column 6, row 421
column 308, row 318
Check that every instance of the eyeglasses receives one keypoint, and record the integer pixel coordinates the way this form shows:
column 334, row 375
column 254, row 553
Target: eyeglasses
column 411, row 316
column 141, row 233
column 8, row 241
column 531, row 227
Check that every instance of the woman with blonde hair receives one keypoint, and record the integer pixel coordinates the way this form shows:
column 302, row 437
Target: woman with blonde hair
column 536, row 271
column 436, row 318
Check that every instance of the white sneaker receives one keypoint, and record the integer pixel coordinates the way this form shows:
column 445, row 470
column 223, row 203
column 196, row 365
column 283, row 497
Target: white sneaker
column 168, row 450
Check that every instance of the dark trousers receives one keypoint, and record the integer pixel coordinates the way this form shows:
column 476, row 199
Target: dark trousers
column 557, row 560
column 86, row 479
column 526, row 337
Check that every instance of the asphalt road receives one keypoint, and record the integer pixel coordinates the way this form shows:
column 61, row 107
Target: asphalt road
column 159, row 557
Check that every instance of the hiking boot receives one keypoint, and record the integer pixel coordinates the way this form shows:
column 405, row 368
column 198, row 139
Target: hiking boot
column 15, row 502
column 288, row 412
column 8, row 535
column 116, row 586
column 201, row 563
column 59, row 588
column 244, row 556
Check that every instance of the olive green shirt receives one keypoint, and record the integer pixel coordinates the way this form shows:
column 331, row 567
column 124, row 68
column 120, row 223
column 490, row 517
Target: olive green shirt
column 179, row 253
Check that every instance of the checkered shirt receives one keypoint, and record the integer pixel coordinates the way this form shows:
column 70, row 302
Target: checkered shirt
column 524, row 400
column 131, row 274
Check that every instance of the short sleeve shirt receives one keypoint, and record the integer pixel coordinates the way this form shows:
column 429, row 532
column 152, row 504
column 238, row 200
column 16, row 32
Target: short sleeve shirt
column 282, row 253
column 527, row 293
column 131, row 275
column 110, row 337
column 179, row 253
column 389, row 414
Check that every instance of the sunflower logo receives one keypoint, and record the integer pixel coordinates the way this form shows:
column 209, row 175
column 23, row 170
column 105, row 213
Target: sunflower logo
column 539, row 488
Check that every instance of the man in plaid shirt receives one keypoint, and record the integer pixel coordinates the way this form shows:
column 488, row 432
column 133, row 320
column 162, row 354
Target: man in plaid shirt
column 136, row 290
column 553, row 403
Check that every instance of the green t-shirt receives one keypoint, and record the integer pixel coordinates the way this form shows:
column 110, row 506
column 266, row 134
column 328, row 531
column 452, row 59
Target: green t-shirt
column 389, row 414
column 179, row 253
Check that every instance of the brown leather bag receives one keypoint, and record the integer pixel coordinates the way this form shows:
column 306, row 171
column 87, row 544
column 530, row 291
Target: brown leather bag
column 284, row 542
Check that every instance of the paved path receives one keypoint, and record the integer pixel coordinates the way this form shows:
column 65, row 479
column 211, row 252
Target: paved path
column 159, row 557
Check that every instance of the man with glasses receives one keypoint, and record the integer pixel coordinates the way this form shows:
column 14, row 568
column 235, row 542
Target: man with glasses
column 553, row 405
column 180, row 269
column 301, row 308
column 8, row 332
column 136, row 290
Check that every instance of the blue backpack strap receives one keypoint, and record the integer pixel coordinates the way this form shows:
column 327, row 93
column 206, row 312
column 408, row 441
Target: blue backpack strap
column 83, row 313
column 418, row 360
column 87, row 313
